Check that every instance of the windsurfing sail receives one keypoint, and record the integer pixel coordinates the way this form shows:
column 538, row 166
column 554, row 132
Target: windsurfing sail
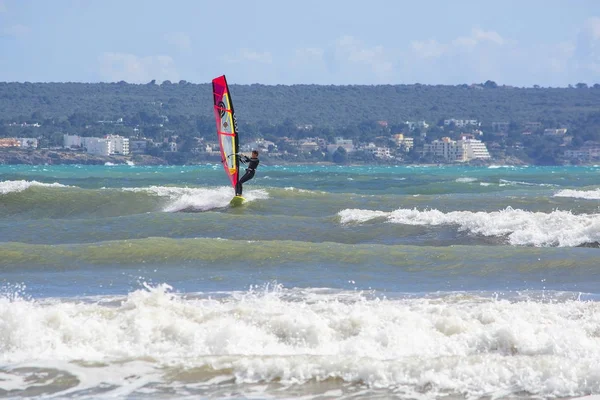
column 226, row 128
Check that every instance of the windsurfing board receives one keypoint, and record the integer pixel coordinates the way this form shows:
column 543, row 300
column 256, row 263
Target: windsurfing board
column 237, row 201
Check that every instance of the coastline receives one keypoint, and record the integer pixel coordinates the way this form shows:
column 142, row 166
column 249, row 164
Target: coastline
column 57, row 157
column 66, row 157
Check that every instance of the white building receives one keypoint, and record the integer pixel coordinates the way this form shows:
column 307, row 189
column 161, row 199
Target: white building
column 461, row 123
column 97, row 146
column 457, row 151
column 307, row 145
column 444, row 148
column 259, row 144
column 346, row 144
column 212, row 149
column 405, row 143
column 28, row 143
column 109, row 145
column 378, row 152
column 119, row 144
column 589, row 151
column 474, row 149
column 71, row 141
column 555, row 132
column 417, row 124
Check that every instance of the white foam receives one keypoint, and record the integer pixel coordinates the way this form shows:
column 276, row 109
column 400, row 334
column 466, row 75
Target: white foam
column 357, row 215
column 468, row 345
column 201, row 199
column 558, row 228
column 579, row 194
column 507, row 166
column 298, row 190
column 19, row 186
column 504, row 182
column 466, row 180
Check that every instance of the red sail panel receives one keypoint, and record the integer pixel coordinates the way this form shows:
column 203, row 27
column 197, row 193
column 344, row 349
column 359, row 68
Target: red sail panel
column 226, row 128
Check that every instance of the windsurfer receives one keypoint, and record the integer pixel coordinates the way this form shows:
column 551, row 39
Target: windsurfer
column 250, row 170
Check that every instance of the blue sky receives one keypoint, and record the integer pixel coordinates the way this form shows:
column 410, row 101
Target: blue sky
column 523, row 43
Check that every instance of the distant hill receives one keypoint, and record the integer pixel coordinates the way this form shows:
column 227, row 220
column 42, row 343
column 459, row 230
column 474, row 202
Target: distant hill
column 326, row 106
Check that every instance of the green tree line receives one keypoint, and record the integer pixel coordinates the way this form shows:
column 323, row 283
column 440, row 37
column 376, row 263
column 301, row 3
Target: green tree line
column 184, row 109
column 325, row 106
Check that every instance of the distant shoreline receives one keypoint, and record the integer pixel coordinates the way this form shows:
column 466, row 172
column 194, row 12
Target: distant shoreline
column 58, row 157
column 61, row 157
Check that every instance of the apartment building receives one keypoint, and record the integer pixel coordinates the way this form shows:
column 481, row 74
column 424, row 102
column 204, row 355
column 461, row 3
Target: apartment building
column 462, row 150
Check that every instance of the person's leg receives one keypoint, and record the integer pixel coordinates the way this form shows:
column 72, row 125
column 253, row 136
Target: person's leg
column 247, row 176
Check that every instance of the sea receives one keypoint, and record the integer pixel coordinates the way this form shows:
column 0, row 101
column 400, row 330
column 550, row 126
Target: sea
column 330, row 282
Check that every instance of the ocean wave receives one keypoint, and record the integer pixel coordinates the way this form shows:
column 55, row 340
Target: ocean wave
column 504, row 182
column 213, row 253
column 494, row 166
column 291, row 192
column 520, row 227
column 466, row 180
column 19, row 186
column 198, row 199
column 154, row 339
column 45, row 201
column 579, row 194
column 115, row 201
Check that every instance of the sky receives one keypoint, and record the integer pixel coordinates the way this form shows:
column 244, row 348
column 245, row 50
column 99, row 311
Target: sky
column 550, row 43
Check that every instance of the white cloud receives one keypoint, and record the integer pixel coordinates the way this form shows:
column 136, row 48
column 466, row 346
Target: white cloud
column 134, row 69
column 431, row 48
column 465, row 42
column 559, row 56
column 179, row 40
column 592, row 27
column 478, row 38
column 586, row 52
column 16, row 31
column 476, row 57
column 308, row 65
column 486, row 54
column 350, row 53
column 428, row 48
column 309, row 55
column 249, row 55
column 487, row 36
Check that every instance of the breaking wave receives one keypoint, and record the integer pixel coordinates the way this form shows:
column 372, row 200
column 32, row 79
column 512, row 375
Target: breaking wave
column 519, row 227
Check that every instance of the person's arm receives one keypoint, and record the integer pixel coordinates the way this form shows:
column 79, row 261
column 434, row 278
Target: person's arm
column 243, row 158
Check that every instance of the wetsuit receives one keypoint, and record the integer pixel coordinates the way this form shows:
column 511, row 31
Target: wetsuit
column 250, row 170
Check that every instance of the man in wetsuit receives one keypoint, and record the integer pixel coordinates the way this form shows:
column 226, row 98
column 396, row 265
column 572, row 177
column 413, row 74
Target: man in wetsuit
column 250, row 170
